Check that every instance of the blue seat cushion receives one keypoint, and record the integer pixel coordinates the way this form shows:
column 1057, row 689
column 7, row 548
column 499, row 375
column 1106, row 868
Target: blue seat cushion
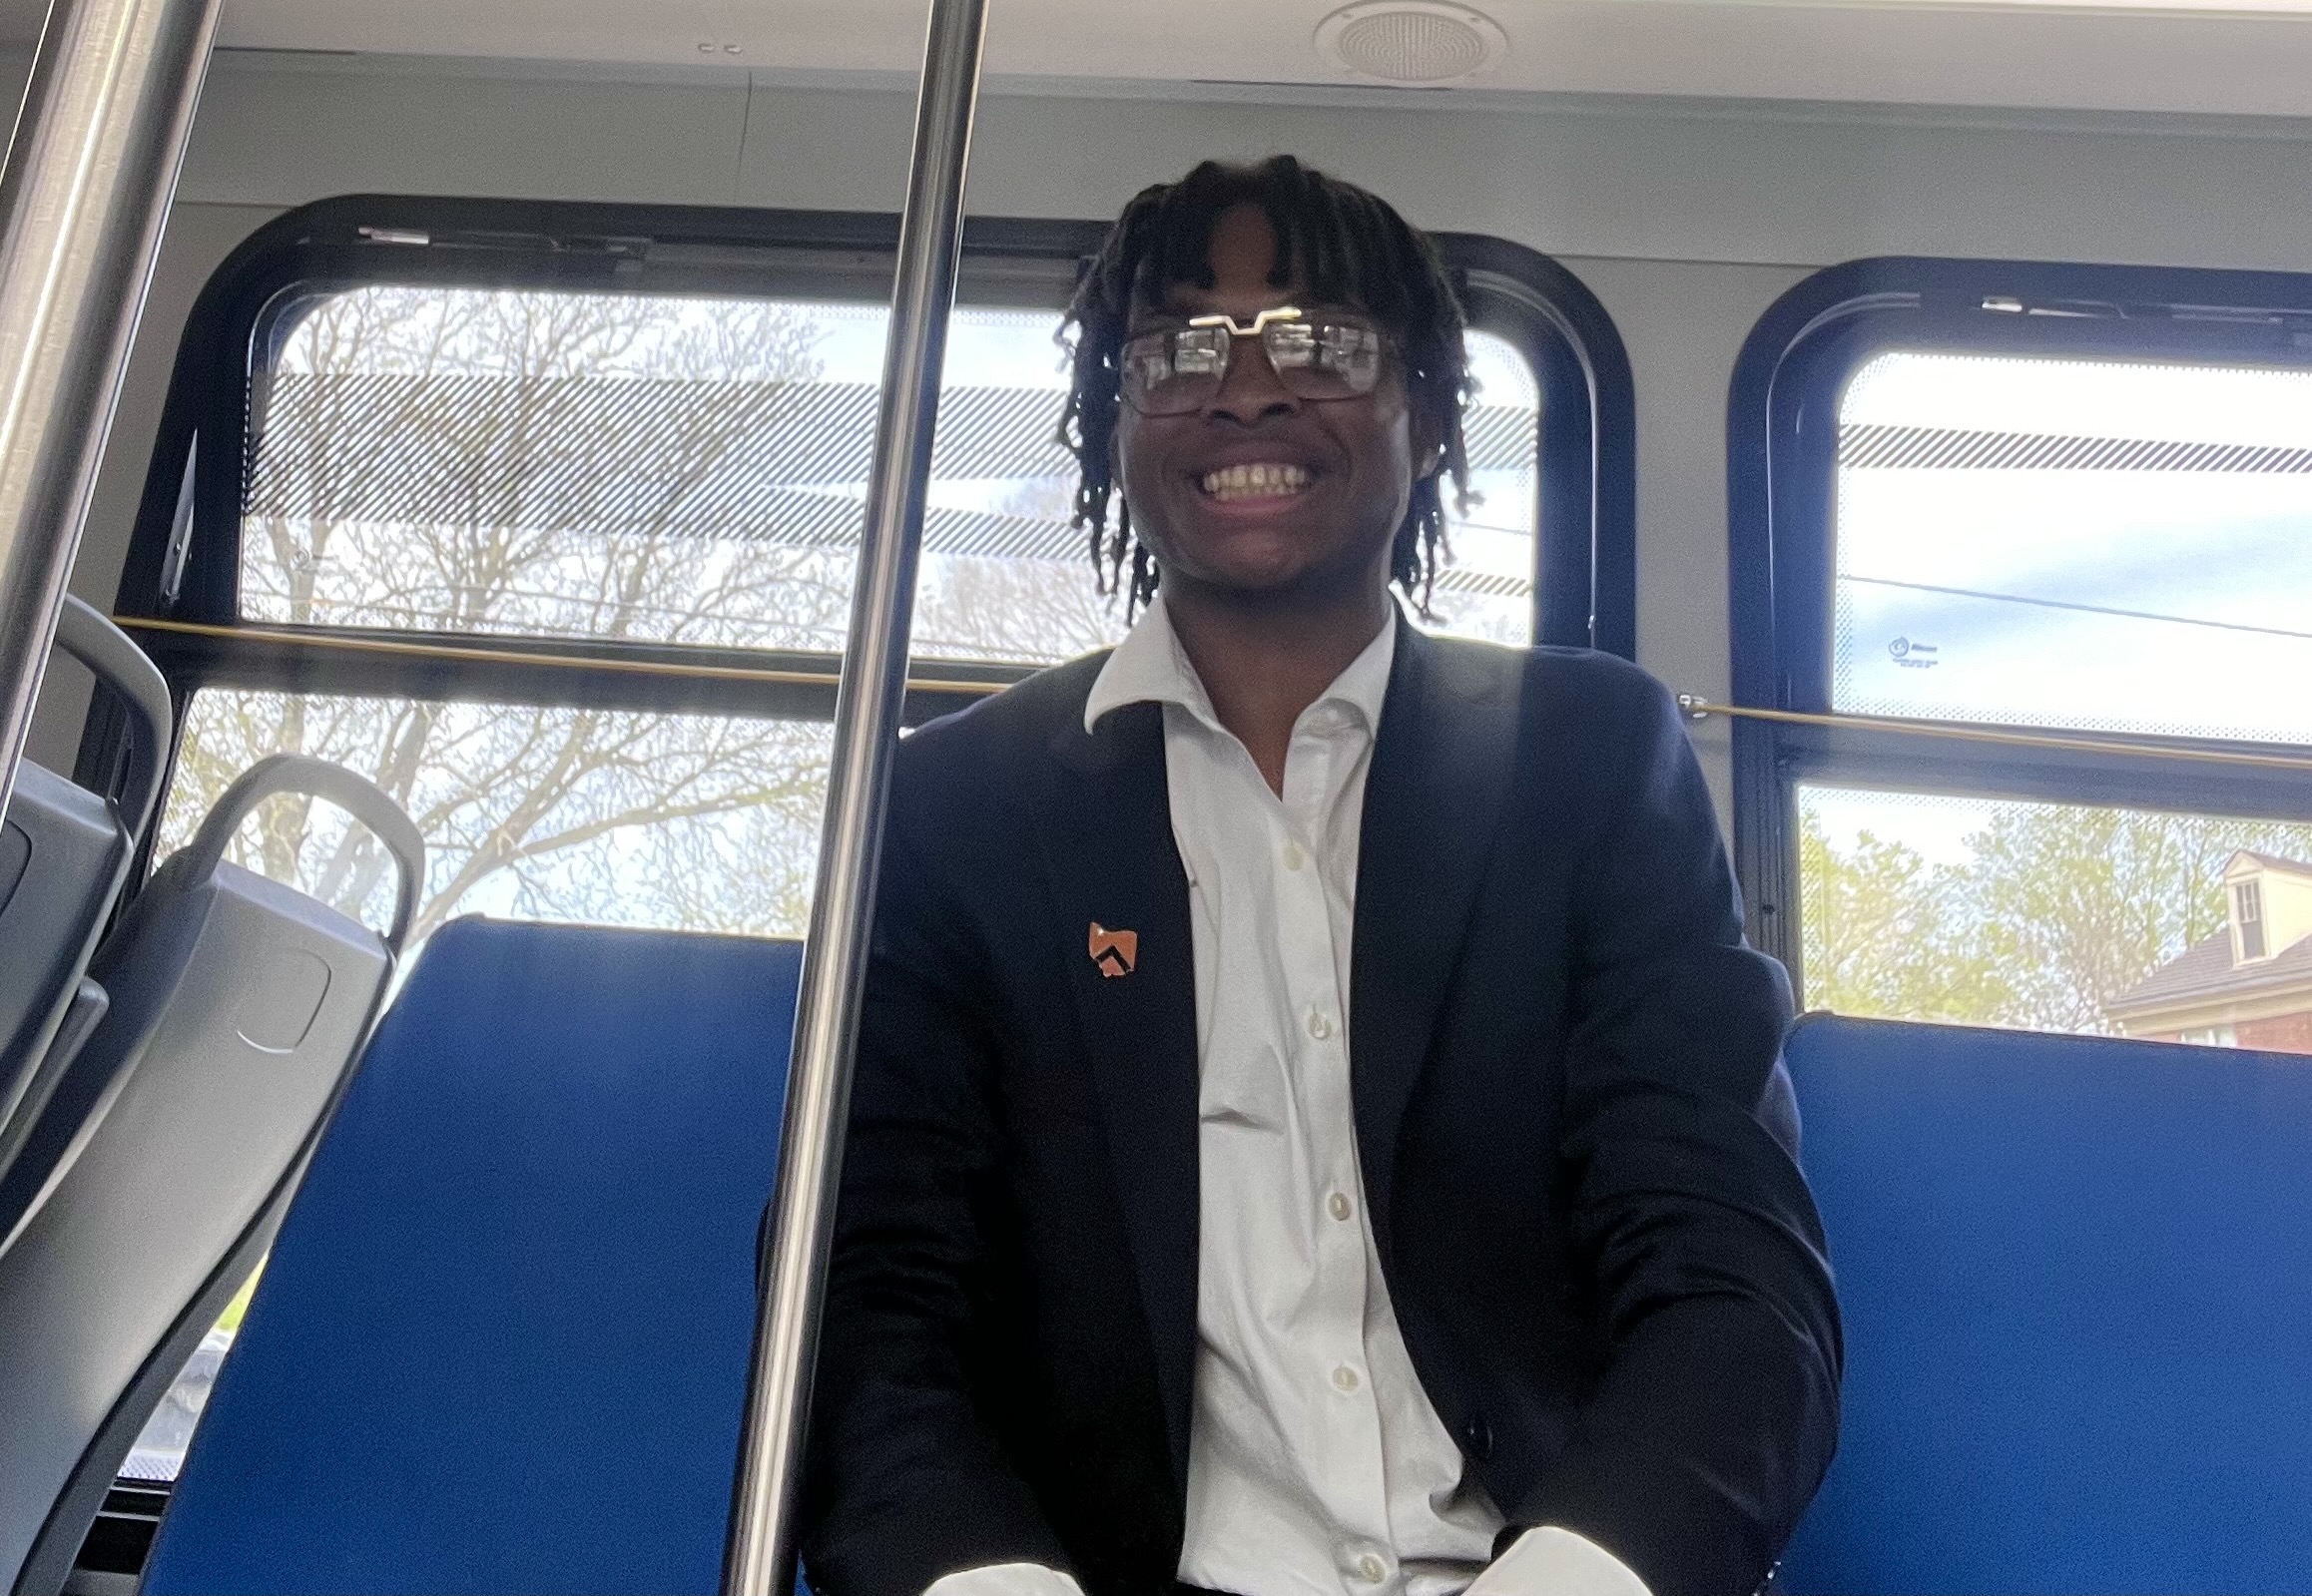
column 2077, row 1280
column 503, row 1340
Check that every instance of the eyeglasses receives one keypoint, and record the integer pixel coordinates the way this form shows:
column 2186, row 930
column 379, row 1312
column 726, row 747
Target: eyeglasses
column 1329, row 356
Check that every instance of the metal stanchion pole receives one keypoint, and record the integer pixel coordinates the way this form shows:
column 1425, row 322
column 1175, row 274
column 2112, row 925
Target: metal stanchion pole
column 83, row 197
column 760, row 1558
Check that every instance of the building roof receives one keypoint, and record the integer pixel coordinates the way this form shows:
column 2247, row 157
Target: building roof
column 2205, row 969
column 2273, row 861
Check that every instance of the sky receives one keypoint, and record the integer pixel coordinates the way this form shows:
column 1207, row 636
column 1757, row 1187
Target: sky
column 2165, row 602
column 2159, row 601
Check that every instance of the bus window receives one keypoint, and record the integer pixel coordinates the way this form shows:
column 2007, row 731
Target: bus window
column 2049, row 916
column 2098, row 561
column 688, row 469
column 1488, row 590
column 656, row 468
column 2100, row 545
column 530, row 811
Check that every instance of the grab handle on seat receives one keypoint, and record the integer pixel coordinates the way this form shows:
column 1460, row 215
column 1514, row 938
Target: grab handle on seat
column 359, row 797
column 117, row 663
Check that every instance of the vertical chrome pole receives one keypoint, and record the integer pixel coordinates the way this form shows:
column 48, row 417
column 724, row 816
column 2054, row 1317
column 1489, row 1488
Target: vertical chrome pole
column 83, row 199
column 760, row 1558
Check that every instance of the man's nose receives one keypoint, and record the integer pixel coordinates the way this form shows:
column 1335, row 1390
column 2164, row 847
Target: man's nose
column 1249, row 389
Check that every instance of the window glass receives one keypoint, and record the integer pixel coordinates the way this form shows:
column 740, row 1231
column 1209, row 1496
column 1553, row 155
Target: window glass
column 158, row 1452
column 2053, row 916
column 2105, row 545
column 1487, row 589
column 691, row 822
column 2248, row 917
column 690, row 469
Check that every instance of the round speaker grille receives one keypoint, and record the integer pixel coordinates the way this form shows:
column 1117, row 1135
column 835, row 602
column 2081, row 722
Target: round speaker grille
column 1411, row 41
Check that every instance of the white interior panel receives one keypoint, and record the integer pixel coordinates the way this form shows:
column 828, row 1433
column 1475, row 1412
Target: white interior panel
column 1674, row 180
column 1683, row 324
column 2253, row 57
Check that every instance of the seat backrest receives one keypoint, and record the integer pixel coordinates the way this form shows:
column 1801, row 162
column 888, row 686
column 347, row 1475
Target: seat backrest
column 64, row 855
column 502, row 1339
column 161, row 1159
column 2077, row 1281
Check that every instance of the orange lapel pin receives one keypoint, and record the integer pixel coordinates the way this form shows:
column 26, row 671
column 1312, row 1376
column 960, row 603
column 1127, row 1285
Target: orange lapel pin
column 1114, row 952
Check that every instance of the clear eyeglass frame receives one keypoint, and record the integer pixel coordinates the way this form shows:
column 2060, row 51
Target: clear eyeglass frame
column 1329, row 356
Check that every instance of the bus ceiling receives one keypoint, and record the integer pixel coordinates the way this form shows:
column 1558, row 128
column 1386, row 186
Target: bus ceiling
column 2240, row 57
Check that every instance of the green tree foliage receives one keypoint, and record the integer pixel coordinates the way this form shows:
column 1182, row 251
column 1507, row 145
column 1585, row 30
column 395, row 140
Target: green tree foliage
column 1886, row 933
column 2059, row 908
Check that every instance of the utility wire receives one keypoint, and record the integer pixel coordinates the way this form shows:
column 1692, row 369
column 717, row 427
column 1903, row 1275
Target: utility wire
column 2086, row 609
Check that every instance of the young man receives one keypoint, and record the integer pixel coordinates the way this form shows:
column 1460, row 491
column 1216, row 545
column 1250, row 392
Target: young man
column 1318, row 1128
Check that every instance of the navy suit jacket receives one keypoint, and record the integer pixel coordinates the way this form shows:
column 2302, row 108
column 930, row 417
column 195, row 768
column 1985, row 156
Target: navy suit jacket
column 1571, row 1116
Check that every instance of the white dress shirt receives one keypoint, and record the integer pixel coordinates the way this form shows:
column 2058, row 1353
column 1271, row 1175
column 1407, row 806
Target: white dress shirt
column 1316, row 1465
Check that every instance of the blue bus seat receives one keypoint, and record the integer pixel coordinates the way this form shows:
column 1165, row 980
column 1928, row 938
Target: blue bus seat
column 503, row 1340
column 2077, row 1280
column 165, row 1154
column 64, row 857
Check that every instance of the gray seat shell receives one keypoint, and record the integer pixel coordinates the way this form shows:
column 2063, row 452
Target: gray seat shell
column 169, row 1149
column 64, row 855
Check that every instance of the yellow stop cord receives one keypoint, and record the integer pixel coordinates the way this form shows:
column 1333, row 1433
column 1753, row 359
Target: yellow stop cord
column 1694, row 706
column 461, row 654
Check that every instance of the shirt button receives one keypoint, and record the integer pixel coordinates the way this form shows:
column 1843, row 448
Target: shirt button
column 1344, row 1378
column 1370, row 1569
column 1293, row 857
column 1337, row 1205
column 1319, row 1026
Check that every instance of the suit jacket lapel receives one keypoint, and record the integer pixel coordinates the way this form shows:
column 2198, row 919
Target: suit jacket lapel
column 1107, row 833
column 1433, row 804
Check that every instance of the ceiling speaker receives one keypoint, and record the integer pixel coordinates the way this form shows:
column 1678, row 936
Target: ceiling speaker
column 1426, row 42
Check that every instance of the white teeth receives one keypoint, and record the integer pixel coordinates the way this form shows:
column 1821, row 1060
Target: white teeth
column 1258, row 480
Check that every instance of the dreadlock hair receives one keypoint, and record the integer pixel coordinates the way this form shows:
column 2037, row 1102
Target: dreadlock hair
column 1349, row 247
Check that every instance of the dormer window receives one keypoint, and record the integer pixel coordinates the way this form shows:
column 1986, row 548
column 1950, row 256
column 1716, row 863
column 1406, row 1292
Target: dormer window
column 2248, row 919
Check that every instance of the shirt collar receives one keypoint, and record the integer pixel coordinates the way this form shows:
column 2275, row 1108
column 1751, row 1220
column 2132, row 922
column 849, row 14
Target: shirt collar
column 1150, row 666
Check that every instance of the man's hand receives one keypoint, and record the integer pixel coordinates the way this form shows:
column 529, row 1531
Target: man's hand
column 1548, row 1562
column 1543, row 1562
column 1015, row 1579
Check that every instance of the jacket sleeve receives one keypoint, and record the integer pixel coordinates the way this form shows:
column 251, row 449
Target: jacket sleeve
column 1717, row 1408
column 906, row 1482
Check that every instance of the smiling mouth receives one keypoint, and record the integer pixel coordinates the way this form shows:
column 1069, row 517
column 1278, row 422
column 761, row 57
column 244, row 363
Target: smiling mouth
column 1258, row 480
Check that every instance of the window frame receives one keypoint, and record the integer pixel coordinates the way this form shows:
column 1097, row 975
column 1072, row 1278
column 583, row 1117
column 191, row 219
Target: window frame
column 2247, row 918
column 1585, row 506
column 1782, row 478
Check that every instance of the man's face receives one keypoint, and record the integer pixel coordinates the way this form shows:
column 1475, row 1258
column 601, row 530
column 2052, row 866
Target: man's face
column 1339, row 472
